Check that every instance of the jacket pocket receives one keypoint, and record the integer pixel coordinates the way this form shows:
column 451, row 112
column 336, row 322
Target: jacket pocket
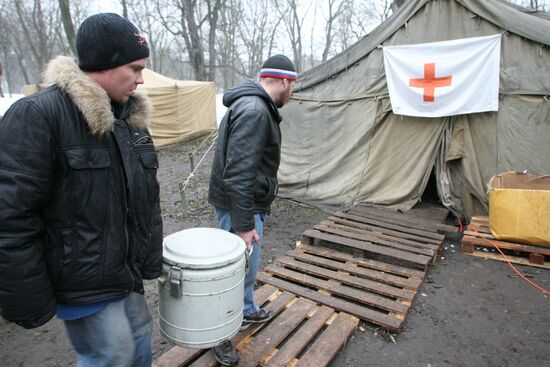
column 89, row 182
column 150, row 163
column 266, row 189
column 88, row 158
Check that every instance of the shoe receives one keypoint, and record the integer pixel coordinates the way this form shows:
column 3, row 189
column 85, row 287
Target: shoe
column 225, row 354
column 259, row 317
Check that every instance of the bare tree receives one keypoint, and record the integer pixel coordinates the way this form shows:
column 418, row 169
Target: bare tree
column 212, row 16
column 230, row 15
column 294, row 24
column 335, row 9
column 146, row 19
column 396, row 4
column 1, row 75
column 68, row 25
column 184, row 18
column 124, row 5
column 358, row 18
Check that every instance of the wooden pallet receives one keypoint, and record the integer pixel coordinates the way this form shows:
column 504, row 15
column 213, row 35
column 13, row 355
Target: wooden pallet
column 396, row 237
column 478, row 241
column 413, row 220
column 374, row 291
column 302, row 333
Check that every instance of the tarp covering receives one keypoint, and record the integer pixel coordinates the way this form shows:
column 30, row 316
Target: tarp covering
column 342, row 144
column 184, row 110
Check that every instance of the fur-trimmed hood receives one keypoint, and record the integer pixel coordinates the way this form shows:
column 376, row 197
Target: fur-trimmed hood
column 91, row 99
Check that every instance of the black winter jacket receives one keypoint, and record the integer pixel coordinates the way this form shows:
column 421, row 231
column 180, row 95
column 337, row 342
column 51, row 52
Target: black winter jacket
column 79, row 200
column 243, row 180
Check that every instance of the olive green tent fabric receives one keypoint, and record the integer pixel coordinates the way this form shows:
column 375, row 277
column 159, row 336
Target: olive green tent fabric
column 183, row 109
column 342, row 144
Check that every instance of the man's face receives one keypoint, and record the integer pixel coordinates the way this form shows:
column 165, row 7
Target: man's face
column 287, row 87
column 121, row 82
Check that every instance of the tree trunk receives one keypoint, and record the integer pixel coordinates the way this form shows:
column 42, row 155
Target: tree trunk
column 213, row 15
column 68, row 24
column 124, row 8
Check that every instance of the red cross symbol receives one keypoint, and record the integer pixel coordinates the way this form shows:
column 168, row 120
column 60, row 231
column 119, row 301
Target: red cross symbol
column 430, row 82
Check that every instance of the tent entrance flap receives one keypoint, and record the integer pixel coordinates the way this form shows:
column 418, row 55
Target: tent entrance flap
column 430, row 193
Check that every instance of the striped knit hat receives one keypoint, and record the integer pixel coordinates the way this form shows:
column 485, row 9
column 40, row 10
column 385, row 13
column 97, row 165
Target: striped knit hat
column 278, row 66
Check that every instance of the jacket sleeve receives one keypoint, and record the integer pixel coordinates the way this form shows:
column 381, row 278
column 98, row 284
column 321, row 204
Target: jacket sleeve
column 26, row 295
column 247, row 137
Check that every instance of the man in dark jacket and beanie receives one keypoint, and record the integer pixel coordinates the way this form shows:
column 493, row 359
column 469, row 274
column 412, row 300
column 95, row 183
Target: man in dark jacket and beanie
column 243, row 181
column 80, row 223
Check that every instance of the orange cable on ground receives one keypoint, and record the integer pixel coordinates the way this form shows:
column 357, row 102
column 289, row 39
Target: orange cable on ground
column 538, row 287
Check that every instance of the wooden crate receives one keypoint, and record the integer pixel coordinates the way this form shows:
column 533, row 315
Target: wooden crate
column 374, row 291
column 478, row 241
column 302, row 333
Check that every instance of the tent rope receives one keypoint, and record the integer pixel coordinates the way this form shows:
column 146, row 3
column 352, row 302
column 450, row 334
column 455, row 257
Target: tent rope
column 192, row 174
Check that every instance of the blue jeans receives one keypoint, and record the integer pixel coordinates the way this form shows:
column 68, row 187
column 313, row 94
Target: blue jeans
column 118, row 335
column 254, row 262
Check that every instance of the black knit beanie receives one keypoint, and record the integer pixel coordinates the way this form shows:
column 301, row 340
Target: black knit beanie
column 278, row 66
column 106, row 41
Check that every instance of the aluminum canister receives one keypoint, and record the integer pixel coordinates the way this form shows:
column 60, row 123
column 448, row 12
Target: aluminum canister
column 202, row 287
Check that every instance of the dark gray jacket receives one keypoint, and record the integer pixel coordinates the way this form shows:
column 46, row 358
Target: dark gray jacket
column 79, row 201
column 243, row 180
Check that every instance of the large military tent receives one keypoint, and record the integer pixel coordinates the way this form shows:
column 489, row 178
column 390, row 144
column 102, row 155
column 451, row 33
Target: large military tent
column 343, row 145
column 184, row 109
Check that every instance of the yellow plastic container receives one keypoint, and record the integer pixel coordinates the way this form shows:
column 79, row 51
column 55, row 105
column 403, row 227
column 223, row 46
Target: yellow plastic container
column 519, row 208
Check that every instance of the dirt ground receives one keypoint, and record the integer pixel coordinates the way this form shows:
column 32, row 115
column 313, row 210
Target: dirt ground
column 468, row 312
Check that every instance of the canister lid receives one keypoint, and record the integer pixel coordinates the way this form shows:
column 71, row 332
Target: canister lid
column 202, row 248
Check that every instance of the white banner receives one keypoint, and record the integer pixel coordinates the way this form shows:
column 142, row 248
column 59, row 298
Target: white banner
column 444, row 78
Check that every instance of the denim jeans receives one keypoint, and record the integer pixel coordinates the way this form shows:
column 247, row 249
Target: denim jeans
column 254, row 262
column 118, row 335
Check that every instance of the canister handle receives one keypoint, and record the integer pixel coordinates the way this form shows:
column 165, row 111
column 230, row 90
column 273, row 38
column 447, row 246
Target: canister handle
column 175, row 282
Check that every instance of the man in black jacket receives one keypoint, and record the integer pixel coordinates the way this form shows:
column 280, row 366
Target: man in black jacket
column 80, row 224
column 243, row 181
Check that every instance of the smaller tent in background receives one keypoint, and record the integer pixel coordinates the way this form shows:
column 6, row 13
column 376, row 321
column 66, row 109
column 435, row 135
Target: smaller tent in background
column 183, row 109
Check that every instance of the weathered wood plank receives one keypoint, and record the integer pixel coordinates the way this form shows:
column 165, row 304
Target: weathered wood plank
column 374, row 240
column 398, row 254
column 176, row 357
column 301, row 338
column 484, row 221
column 367, row 263
column 366, row 298
column 325, row 348
column 409, row 220
column 474, row 239
column 396, row 227
column 420, row 244
column 379, row 230
column 373, row 286
column 275, row 333
column 354, row 269
column 388, row 321
column 513, row 259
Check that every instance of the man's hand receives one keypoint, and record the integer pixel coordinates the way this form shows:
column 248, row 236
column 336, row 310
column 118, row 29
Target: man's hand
column 248, row 237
